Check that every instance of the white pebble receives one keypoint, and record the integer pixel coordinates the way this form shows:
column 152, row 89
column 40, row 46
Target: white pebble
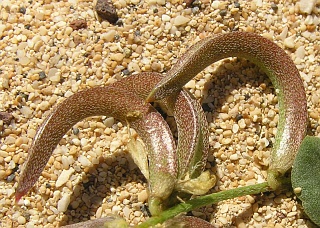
column 10, row 140
column 264, row 142
column 180, row 20
column 306, row 6
column 26, row 202
column 109, row 122
column 134, row 67
column 126, row 212
column 116, row 208
column 64, row 177
column 289, row 42
column 84, row 142
column 143, row 196
column 84, row 160
column 54, row 75
column 165, row 18
column 191, row 84
column 68, row 93
column 117, row 57
column 300, row 52
column 44, row 105
column 284, row 33
column 21, row 220
column 235, row 128
column 234, row 157
column 242, row 124
column 26, row 111
column 306, row 77
column 114, row 145
column 3, row 153
column 63, row 203
column 108, row 36
column 223, row 220
column 52, row 218
column 24, row 60
column 224, row 208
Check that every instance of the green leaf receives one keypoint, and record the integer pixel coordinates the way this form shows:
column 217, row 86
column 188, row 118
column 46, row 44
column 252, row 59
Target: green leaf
column 305, row 177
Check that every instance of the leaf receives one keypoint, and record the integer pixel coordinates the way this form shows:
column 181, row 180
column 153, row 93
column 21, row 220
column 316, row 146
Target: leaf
column 305, row 177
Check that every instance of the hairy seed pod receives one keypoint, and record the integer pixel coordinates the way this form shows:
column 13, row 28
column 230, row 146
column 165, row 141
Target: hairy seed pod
column 275, row 63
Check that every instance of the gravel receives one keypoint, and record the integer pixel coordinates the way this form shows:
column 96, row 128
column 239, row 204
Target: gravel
column 43, row 60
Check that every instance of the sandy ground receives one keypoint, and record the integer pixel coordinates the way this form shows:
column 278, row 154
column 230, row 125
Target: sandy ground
column 44, row 60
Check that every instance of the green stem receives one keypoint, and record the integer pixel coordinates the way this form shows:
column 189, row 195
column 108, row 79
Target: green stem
column 205, row 200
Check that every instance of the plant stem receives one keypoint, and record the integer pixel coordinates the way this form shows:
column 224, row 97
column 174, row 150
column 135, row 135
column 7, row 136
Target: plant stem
column 205, row 200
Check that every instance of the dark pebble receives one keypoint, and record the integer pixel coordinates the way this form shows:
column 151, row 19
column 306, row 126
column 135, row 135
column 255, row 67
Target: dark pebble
column 137, row 33
column 274, row 7
column 126, row 72
column 78, row 77
column 107, row 11
column 189, row 2
column 78, row 24
column 239, row 117
column 206, row 107
column 145, row 210
column 75, row 130
column 22, row 10
column 223, row 13
column 6, row 117
column 195, row 10
column 11, row 177
column 24, row 96
column 42, row 75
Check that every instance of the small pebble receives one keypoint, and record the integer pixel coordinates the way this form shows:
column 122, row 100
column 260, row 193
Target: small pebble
column 64, row 177
column 108, row 36
column 115, row 144
column 143, row 196
column 274, row 7
column 42, row 75
column 289, row 42
column 11, row 177
column 234, row 157
column 6, row 117
column 84, row 161
column 223, row 13
column 21, row 220
column 107, row 11
column 117, row 57
column 300, row 52
column 306, row 6
column 181, row 20
column 78, row 24
column 63, row 203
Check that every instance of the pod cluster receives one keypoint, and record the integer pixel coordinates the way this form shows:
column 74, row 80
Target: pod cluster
column 169, row 168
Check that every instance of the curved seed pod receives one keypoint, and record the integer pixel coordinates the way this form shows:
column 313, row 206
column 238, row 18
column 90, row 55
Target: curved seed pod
column 193, row 133
column 275, row 63
column 123, row 105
